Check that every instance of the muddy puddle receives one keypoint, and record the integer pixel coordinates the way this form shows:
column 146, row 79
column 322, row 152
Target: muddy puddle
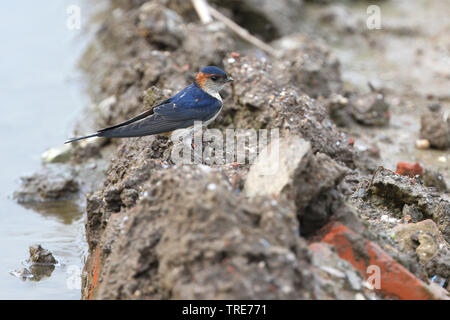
column 41, row 96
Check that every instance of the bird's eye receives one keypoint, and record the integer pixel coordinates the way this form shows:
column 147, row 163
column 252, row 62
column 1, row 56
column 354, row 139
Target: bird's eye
column 213, row 78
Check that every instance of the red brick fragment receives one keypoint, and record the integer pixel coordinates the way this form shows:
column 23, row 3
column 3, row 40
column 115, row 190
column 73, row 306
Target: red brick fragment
column 395, row 280
column 351, row 141
column 409, row 169
column 235, row 55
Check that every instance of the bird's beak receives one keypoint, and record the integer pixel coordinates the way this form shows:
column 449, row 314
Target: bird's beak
column 229, row 79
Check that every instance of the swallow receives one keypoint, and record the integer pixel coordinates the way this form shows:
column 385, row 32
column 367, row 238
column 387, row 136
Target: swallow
column 200, row 101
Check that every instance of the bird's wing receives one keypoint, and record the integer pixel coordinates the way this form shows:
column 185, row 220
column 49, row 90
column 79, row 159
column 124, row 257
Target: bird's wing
column 138, row 117
column 166, row 117
column 153, row 124
column 200, row 111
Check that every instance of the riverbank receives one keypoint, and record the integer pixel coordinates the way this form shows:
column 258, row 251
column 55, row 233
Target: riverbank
column 315, row 229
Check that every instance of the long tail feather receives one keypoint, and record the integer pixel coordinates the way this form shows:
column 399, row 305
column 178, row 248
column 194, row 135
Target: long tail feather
column 81, row 138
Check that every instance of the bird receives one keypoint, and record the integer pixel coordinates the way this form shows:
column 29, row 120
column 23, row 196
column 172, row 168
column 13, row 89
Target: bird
column 199, row 101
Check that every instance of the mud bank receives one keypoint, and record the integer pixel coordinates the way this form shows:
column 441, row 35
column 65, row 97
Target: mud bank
column 312, row 230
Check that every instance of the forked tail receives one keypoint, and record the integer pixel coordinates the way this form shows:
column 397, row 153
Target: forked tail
column 81, row 138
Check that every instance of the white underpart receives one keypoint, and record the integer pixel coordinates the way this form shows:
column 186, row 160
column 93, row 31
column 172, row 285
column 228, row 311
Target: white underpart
column 215, row 94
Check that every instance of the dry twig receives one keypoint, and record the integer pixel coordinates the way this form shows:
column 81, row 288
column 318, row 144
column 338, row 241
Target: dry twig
column 205, row 11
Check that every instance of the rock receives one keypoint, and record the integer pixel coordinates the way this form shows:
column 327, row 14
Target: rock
column 435, row 127
column 338, row 109
column 39, row 255
column 392, row 190
column 316, row 192
column 310, row 180
column 422, row 144
column 370, row 109
column 434, row 179
column 60, row 154
column 48, row 185
column 423, row 237
column 425, row 240
column 273, row 170
column 41, row 265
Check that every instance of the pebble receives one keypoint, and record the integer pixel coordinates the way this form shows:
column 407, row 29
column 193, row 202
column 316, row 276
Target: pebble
column 60, row 154
column 386, row 218
column 212, row 186
column 422, row 144
column 359, row 296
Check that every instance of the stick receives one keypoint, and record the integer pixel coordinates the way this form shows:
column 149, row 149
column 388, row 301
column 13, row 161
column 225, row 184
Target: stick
column 202, row 5
column 202, row 10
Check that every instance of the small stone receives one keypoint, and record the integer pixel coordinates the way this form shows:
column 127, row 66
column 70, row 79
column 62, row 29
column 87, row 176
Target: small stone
column 359, row 296
column 39, row 255
column 435, row 127
column 60, row 154
column 434, row 179
column 422, row 144
column 422, row 238
column 274, row 167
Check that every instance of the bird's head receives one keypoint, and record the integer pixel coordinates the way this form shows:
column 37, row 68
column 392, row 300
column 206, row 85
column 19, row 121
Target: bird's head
column 212, row 79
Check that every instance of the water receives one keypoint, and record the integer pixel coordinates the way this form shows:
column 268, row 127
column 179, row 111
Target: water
column 40, row 96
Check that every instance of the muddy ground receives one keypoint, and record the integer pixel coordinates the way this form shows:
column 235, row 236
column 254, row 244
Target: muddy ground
column 333, row 209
